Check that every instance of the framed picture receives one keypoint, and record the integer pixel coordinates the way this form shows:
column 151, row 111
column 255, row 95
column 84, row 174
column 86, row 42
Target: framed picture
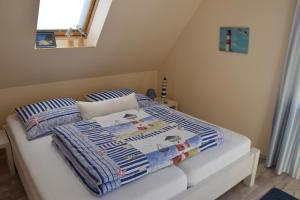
column 234, row 39
column 45, row 40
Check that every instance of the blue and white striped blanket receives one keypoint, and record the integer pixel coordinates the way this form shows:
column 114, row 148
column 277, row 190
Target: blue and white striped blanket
column 108, row 152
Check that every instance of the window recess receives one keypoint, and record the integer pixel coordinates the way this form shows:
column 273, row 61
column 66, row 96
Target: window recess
column 72, row 21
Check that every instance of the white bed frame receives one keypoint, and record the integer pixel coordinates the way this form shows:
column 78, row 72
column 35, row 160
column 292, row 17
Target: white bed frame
column 243, row 169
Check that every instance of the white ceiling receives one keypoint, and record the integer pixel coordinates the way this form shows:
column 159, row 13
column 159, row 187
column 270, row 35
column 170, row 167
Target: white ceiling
column 137, row 36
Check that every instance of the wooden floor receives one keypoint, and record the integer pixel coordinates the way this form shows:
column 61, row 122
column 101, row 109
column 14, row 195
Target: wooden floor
column 12, row 189
column 10, row 186
column 265, row 180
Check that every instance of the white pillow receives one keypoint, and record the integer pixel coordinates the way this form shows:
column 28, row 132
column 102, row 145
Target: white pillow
column 90, row 110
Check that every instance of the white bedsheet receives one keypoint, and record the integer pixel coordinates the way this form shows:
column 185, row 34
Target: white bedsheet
column 54, row 180
column 211, row 161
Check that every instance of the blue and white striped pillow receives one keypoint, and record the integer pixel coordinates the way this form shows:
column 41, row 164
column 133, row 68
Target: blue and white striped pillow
column 101, row 96
column 42, row 117
column 142, row 100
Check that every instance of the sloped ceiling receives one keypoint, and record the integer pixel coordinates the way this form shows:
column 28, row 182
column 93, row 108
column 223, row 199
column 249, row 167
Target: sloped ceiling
column 137, row 36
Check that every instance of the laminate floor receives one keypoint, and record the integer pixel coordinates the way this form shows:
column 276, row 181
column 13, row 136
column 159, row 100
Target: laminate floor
column 12, row 189
column 265, row 180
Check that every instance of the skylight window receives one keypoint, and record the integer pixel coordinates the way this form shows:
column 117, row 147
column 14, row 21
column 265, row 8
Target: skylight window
column 61, row 15
column 70, row 23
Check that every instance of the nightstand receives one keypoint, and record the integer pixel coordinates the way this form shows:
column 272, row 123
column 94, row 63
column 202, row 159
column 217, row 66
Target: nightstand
column 5, row 144
column 170, row 103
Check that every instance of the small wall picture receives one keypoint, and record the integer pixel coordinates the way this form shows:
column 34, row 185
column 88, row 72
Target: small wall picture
column 45, row 40
column 234, row 39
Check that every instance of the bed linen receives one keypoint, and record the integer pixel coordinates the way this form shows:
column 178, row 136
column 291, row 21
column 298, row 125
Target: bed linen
column 40, row 160
column 111, row 151
column 109, row 94
column 142, row 99
column 90, row 110
column 52, row 179
column 41, row 117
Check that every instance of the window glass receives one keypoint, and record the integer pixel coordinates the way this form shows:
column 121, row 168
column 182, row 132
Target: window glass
column 62, row 14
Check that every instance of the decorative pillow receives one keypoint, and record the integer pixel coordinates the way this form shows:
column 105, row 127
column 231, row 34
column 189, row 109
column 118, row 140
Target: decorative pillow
column 90, row 110
column 144, row 101
column 42, row 117
column 101, row 96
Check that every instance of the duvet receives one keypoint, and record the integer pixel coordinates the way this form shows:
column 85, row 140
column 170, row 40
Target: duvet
column 110, row 151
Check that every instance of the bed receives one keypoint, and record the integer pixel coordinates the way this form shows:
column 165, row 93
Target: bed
column 38, row 161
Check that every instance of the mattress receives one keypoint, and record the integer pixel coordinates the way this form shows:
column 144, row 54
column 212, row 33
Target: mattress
column 54, row 180
column 212, row 160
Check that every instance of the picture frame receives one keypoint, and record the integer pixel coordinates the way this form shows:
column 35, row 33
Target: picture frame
column 234, row 39
column 45, row 39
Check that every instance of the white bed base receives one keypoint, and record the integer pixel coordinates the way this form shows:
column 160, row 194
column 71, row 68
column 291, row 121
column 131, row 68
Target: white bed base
column 24, row 175
column 243, row 169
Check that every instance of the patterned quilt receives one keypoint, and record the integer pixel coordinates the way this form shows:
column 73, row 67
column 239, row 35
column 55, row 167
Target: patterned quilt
column 110, row 151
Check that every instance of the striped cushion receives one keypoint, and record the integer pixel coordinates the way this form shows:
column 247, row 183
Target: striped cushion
column 101, row 96
column 142, row 100
column 42, row 117
column 27, row 111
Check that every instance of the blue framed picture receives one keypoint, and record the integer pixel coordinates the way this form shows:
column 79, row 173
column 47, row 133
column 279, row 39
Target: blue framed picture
column 45, row 40
column 234, row 39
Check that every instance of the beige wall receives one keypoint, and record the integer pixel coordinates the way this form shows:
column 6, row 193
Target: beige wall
column 13, row 97
column 232, row 90
column 136, row 37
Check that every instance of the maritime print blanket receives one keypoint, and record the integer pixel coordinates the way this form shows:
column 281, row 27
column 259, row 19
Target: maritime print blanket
column 110, row 151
